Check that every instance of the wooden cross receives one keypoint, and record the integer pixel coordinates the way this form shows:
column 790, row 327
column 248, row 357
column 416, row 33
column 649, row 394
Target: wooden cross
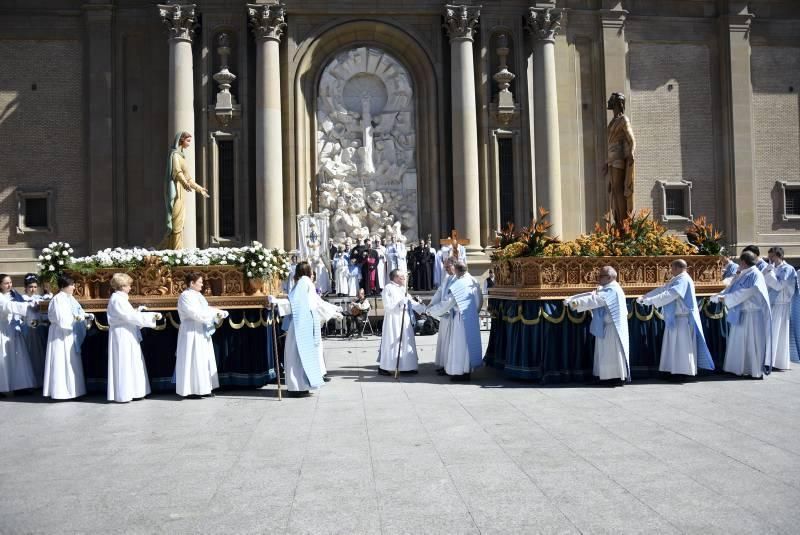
column 453, row 242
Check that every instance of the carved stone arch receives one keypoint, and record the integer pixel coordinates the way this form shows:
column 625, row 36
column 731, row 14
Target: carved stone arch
column 312, row 56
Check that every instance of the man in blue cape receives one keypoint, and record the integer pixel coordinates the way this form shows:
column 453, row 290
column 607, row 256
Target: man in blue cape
column 684, row 348
column 609, row 326
column 781, row 279
column 462, row 303
column 749, row 344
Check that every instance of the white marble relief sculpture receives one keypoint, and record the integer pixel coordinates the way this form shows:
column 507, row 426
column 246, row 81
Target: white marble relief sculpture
column 366, row 140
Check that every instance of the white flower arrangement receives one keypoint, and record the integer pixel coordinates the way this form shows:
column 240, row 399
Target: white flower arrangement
column 53, row 260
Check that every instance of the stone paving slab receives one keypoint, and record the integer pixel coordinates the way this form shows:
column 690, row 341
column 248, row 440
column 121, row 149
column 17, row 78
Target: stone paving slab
column 368, row 454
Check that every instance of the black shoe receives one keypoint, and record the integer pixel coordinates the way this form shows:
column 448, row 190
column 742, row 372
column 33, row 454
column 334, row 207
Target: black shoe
column 381, row 371
column 460, row 378
column 326, row 378
column 298, row 393
column 411, row 372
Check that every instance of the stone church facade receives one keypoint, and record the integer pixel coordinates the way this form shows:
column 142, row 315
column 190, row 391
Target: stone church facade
column 397, row 117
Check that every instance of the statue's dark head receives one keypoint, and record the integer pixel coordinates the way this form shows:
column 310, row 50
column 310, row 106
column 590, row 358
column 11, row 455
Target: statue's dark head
column 616, row 101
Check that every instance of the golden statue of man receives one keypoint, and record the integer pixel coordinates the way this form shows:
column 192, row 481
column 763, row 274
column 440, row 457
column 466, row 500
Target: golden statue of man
column 620, row 160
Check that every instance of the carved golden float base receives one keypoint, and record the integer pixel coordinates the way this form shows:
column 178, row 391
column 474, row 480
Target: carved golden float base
column 532, row 278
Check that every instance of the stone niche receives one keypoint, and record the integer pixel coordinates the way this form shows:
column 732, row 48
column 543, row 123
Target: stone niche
column 366, row 143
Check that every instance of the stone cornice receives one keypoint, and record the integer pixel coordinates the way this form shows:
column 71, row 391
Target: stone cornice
column 460, row 21
column 613, row 18
column 544, row 22
column 179, row 18
column 268, row 21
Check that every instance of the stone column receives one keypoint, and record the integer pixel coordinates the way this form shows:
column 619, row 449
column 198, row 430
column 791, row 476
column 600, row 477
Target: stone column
column 269, row 23
column 460, row 23
column 100, row 170
column 615, row 48
column 543, row 23
column 740, row 184
column 180, row 19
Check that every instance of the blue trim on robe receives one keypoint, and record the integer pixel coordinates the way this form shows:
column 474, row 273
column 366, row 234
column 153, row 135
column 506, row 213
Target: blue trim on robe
column 730, row 269
column 743, row 282
column 306, row 331
column 615, row 305
column 684, row 286
column 794, row 320
column 467, row 304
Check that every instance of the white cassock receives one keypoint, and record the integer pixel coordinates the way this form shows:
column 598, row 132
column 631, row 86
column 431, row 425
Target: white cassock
column 610, row 357
column 295, row 376
column 438, row 267
column 748, row 339
column 382, row 264
column 341, row 268
column 36, row 337
column 16, row 372
column 455, row 349
column 196, row 363
column 782, row 283
column 63, row 369
column 396, row 337
column 443, row 336
column 127, row 373
column 353, row 278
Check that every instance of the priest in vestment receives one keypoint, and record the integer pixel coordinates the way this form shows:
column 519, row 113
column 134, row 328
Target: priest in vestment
column 196, row 362
column 609, row 326
column 444, row 320
column 380, row 246
column 303, row 314
column 63, row 368
column 398, row 327
column 463, row 301
column 781, row 279
column 127, row 372
column 683, row 348
column 749, row 344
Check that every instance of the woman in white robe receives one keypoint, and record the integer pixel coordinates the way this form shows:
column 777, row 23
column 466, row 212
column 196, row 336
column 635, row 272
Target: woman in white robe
column 196, row 363
column 35, row 333
column 63, row 369
column 127, row 372
column 16, row 372
column 341, row 268
column 296, row 376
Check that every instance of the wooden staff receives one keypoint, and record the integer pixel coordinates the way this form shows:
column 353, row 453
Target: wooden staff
column 275, row 347
column 400, row 342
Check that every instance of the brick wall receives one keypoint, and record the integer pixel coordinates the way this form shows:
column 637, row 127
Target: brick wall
column 42, row 135
column 670, row 109
column 776, row 131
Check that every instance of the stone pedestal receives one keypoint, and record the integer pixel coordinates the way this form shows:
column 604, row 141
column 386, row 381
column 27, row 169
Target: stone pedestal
column 460, row 22
column 269, row 24
column 543, row 23
column 180, row 19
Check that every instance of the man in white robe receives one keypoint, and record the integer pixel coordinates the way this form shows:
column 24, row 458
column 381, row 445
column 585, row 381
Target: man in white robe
column 304, row 312
column 609, row 326
column 341, row 269
column 443, row 337
column 397, row 338
column 383, row 273
column 749, row 343
column 462, row 341
column 781, row 279
column 683, row 348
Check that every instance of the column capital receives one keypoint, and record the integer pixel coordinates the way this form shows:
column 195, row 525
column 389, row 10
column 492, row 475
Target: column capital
column 613, row 18
column 268, row 21
column 179, row 18
column 460, row 21
column 544, row 22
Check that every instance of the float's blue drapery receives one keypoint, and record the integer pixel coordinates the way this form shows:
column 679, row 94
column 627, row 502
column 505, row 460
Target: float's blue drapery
column 243, row 345
column 546, row 342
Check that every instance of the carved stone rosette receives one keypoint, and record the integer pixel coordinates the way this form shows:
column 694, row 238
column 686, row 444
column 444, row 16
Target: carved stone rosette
column 460, row 21
column 179, row 18
column 267, row 21
column 558, row 277
column 544, row 22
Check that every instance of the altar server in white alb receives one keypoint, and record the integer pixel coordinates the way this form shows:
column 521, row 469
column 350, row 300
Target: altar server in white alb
column 127, row 372
column 196, row 363
column 463, row 301
column 684, row 348
column 303, row 314
column 781, row 279
column 35, row 333
column 397, row 337
column 341, row 268
column 63, row 369
column 609, row 326
column 444, row 320
column 16, row 372
column 749, row 343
